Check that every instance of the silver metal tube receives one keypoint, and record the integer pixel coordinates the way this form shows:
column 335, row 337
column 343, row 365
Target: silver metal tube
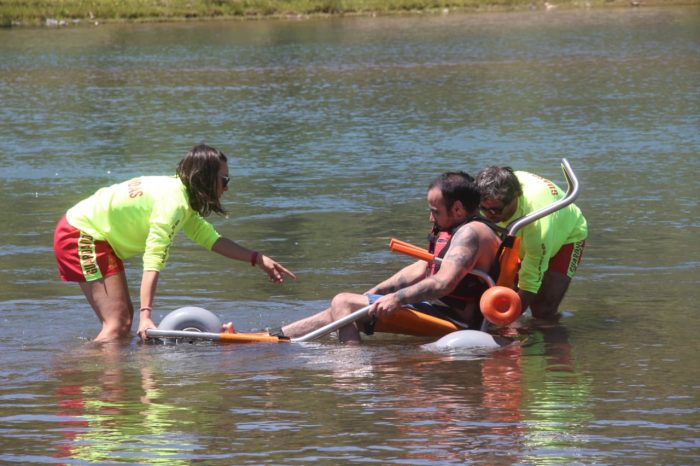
column 335, row 325
column 571, row 195
column 484, row 276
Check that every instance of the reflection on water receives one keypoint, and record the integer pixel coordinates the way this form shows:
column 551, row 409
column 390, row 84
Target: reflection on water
column 103, row 417
column 559, row 397
column 384, row 402
column 334, row 128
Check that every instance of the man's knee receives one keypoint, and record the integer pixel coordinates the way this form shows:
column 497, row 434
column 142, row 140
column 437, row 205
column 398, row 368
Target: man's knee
column 340, row 298
column 344, row 304
column 345, row 301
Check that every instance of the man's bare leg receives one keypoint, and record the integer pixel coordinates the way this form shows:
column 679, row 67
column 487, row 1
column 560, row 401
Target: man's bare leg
column 308, row 324
column 546, row 304
column 342, row 305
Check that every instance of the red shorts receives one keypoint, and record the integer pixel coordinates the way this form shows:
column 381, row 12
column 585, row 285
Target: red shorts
column 80, row 257
column 567, row 259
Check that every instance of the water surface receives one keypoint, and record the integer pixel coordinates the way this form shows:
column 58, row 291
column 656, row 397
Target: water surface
column 334, row 128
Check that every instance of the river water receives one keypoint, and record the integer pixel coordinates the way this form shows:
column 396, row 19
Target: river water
column 334, row 128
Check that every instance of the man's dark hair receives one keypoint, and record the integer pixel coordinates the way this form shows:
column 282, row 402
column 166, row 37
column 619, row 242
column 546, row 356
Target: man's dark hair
column 457, row 186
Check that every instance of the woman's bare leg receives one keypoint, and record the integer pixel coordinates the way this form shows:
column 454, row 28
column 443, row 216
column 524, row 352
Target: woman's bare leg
column 109, row 298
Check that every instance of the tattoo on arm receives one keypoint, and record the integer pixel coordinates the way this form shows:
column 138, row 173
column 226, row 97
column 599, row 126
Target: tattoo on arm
column 401, row 279
column 392, row 285
column 459, row 260
column 463, row 252
column 425, row 290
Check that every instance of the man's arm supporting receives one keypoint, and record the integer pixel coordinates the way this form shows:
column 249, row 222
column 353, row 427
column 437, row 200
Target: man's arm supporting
column 405, row 277
column 459, row 260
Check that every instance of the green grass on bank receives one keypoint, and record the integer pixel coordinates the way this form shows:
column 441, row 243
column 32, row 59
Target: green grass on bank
column 60, row 12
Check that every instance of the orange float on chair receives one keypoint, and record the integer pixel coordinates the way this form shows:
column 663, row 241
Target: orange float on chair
column 509, row 261
column 407, row 321
column 500, row 305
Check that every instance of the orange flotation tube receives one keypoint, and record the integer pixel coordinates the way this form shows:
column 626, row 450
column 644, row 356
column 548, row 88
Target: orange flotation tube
column 500, row 305
column 411, row 322
column 258, row 337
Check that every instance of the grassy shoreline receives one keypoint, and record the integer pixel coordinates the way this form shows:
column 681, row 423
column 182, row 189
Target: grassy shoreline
column 93, row 12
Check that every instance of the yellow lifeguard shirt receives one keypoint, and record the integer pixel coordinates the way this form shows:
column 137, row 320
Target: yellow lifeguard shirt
column 142, row 215
column 542, row 239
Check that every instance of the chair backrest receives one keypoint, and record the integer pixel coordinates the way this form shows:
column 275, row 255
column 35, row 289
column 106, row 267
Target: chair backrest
column 509, row 262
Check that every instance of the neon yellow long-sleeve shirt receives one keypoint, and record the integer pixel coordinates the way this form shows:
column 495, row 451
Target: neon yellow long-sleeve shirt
column 542, row 239
column 142, row 215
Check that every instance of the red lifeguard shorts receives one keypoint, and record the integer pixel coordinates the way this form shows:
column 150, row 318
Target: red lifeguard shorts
column 567, row 259
column 81, row 258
